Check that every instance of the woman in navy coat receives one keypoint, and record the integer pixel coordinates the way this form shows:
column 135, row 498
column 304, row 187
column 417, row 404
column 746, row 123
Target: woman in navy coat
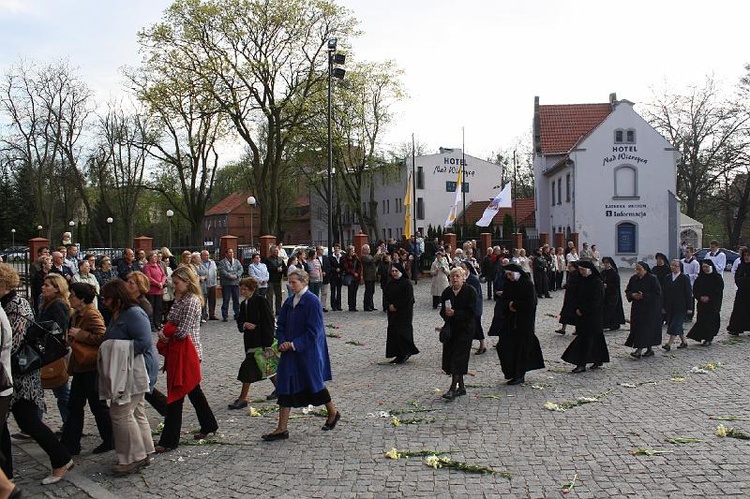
column 304, row 366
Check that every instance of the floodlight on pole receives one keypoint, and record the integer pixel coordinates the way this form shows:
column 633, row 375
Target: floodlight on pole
column 170, row 214
column 109, row 225
column 251, row 201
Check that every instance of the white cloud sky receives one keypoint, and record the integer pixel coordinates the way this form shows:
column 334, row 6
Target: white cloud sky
column 472, row 63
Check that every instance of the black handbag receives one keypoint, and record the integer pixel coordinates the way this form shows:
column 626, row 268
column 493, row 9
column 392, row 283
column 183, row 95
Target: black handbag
column 25, row 360
column 347, row 279
column 445, row 333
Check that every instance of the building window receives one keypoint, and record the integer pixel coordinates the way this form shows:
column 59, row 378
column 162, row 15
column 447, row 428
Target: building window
column 420, row 177
column 619, row 137
column 630, row 136
column 567, row 188
column 387, row 205
column 383, row 233
column 420, row 208
column 383, row 207
column 451, row 186
column 626, row 238
column 553, row 193
column 364, row 209
column 559, row 191
column 626, row 182
column 390, row 234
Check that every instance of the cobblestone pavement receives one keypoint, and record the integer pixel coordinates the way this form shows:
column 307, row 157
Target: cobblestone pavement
column 642, row 402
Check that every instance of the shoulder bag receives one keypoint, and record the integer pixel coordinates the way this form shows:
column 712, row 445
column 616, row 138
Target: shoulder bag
column 445, row 333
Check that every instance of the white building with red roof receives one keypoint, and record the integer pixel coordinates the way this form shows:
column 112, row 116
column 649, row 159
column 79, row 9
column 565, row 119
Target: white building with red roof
column 604, row 176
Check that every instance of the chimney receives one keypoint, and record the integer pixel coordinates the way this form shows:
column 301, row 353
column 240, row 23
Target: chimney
column 613, row 99
column 537, row 127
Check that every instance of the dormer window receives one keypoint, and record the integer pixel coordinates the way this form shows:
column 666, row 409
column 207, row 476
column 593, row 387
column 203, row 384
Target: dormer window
column 630, row 136
column 619, row 136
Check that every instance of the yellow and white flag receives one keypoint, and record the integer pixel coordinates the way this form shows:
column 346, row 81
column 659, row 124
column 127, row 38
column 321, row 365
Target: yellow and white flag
column 459, row 191
column 407, row 207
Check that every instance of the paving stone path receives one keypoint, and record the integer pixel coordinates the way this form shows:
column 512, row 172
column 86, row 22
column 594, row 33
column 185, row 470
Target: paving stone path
column 640, row 404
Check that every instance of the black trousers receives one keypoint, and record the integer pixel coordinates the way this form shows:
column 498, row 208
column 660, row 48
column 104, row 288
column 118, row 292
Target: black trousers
column 84, row 389
column 158, row 401
column 156, row 304
column 211, row 299
column 336, row 294
column 170, row 436
column 26, row 414
column 489, row 288
column 353, row 287
column 369, row 302
column 559, row 279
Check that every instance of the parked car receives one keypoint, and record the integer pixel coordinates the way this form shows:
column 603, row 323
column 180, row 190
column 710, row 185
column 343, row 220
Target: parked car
column 731, row 256
column 15, row 253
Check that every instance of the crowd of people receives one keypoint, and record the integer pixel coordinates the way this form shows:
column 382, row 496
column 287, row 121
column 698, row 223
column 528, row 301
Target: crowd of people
column 118, row 319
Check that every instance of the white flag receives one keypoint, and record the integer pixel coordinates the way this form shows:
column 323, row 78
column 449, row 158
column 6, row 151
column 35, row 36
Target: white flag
column 454, row 209
column 502, row 200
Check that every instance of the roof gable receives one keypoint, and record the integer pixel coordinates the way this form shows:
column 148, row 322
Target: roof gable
column 229, row 204
column 524, row 207
column 561, row 126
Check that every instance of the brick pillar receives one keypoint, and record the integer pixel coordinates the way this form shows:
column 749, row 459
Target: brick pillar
column 34, row 244
column 450, row 238
column 517, row 240
column 559, row 240
column 228, row 242
column 359, row 240
column 144, row 243
column 265, row 245
column 543, row 238
column 485, row 241
column 574, row 237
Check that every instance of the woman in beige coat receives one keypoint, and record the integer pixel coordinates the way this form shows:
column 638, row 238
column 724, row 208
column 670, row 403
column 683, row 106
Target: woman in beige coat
column 439, row 271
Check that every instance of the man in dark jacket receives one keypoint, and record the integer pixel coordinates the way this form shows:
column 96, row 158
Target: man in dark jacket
column 325, row 263
column 336, row 273
column 369, row 275
column 276, row 270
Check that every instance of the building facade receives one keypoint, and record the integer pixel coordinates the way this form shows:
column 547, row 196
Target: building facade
column 604, row 176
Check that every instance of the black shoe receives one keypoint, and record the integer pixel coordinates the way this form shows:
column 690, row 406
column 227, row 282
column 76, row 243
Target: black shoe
column 332, row 424
column 547, row 296
column 578, row 369
column 449, row 395
column 637, row 355
column 733, row 333
column 517, row 380
column 399, row 360
column 102, row 448
column 270, row 437
column 614, row 328
column 560, row 331
column 667, row 347
column 238, row 404
column 480, row 351
column 596, row 365
column 224, row 319
column 214, row 318
column 325, row 310
column 272, row 396
column 648, row 353
column 682, row 345
column 460, row 391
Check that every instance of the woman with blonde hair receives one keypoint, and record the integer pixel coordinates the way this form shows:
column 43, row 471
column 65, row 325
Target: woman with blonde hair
column 179, row 343
column 56, row 307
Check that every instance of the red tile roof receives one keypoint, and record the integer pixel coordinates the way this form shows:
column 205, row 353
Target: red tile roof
column 524, row 206
column 562, row 126
column 229, row 204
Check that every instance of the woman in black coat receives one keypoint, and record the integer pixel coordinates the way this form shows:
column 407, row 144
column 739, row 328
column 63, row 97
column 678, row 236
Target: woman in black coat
column 644, row 293
column 678, row 303
column 518, row 347
column 740, row 319
column 708, row 290
column 589, row 345
column 614, row 316
column 398, row 299
column 457, row 307
column 568, row 312
column 473, row 280
column 541, row 281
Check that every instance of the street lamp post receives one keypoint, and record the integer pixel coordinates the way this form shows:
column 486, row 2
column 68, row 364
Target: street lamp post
column 170, row 214
column 39, row 231
column 109, row 226
column 251, row 201
column 13, row 238
column 333, row 72
column 72, row 224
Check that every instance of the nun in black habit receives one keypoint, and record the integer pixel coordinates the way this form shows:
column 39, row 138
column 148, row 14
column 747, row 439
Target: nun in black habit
column 568, row 312
column 614, row 316
column 644, row 293
column 740, row 319
column 399, row 302
column 589, row 345
column 708, row 290
column 518, row 346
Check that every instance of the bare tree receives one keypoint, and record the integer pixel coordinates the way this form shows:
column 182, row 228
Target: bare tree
column 707, row 130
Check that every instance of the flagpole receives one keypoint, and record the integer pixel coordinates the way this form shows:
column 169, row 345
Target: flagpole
column 414, row 184
column 515, row 195
column 463, row 179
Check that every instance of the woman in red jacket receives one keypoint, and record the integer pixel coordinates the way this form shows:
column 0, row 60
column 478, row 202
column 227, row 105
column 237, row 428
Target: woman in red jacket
column 157, row 279
column 351, row 276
